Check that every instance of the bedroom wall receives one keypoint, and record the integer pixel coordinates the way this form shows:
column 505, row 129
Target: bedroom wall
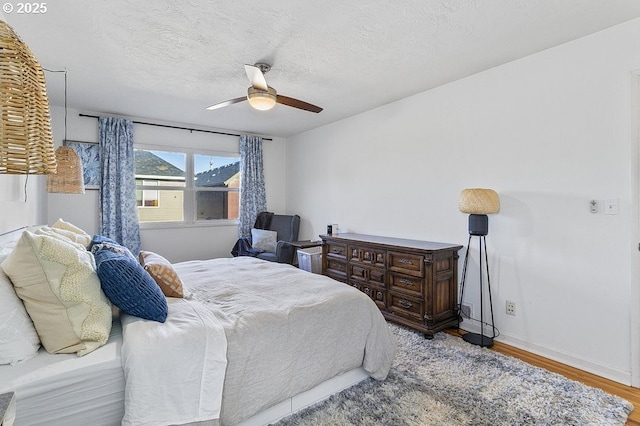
column 18, row 210
column 549, row 133
column 173, row 242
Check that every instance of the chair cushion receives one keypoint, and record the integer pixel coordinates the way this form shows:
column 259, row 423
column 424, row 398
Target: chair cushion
column 270, row 256
column 264, row 240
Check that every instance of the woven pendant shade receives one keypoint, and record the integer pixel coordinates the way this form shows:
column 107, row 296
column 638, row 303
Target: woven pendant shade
column 478, row 201
column 69, row 178
column 26, row 144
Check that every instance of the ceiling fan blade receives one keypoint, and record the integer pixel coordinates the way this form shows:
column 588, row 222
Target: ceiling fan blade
column 226, row 103
column 297, row 103
column 256, row 77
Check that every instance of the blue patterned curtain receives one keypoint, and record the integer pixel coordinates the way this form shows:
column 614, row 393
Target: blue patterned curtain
column 118, row 215
column 253, row 198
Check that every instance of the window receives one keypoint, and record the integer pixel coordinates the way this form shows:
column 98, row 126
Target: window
column 147, row 197
column 186, row 187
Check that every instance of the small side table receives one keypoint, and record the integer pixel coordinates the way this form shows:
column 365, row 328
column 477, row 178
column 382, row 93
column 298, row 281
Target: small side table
column 301, row 245
column 7, row 408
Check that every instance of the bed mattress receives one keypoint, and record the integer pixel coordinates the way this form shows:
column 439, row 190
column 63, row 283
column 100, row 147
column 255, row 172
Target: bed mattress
column 70, row 389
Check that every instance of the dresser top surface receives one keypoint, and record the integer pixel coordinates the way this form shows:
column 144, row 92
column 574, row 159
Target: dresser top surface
column 392, row 241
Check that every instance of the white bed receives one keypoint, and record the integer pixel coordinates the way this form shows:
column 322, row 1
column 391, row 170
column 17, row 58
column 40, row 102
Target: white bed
column 292, row 338
column 65, row 389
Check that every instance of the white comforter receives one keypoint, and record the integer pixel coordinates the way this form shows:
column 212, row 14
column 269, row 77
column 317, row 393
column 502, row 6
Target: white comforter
column 286, row 331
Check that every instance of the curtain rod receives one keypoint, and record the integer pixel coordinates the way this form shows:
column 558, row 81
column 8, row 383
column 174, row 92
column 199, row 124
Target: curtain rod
column 176, row 127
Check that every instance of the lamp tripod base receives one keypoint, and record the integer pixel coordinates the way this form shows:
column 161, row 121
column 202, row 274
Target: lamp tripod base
column 478, row 339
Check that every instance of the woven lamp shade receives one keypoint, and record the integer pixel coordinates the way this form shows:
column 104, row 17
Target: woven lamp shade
column 26, row 144
column 69, row 178
column 479, row 201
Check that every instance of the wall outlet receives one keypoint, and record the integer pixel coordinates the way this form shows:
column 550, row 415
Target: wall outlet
column 466, row 311
column 611, row 206
column 511, row 308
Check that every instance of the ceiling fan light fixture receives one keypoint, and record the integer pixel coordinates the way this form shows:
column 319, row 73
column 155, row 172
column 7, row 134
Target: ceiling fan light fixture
column 262, row 100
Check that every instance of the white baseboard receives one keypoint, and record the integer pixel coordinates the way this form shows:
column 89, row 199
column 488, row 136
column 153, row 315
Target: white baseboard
column 610, row 373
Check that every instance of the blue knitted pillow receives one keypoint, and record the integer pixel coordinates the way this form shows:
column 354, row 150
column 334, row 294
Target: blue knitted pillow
column 99, row 239
column 127, row 284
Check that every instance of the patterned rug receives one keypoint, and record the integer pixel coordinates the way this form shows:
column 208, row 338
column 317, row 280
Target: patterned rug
column 446, row 381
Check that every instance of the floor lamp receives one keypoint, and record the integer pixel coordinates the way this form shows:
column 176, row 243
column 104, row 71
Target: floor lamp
column 478, row 203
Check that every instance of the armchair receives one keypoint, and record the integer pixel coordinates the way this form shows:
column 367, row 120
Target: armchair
column 286, row 228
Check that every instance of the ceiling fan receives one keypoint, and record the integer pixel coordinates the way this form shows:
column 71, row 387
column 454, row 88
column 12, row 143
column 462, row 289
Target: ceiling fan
column 263, row 97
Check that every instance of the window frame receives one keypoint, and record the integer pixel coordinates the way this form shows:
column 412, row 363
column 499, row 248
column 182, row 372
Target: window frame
column 189, row 190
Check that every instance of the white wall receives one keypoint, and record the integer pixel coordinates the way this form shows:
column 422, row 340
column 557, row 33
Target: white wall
column 177, row 243
column 549, row 133
column 22, row 201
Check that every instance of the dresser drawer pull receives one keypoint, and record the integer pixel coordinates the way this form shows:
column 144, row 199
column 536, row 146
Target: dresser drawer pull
column 406, row 281
column 336, row 250
column 406, row 261
column 405, row 304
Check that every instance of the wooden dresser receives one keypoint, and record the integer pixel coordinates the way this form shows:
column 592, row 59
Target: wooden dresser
column 414, row 283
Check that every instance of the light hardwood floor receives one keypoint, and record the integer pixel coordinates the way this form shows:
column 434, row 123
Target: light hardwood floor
column 630, row 394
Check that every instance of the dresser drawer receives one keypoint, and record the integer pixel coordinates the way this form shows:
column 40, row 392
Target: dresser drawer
column 366, row 274
column 367, row 256
column 406, row 263
column 377, row 294
column 336, row 251
column 336, row 269
column 407, row 307
column 406, row 284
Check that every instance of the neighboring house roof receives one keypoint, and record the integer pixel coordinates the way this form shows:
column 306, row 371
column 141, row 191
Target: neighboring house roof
column 150, row 165
column 218, row 176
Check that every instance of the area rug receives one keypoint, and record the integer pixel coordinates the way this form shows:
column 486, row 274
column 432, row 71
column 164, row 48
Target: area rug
column 446, row 381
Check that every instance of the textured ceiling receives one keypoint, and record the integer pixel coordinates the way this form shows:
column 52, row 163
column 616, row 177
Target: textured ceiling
column 167, row 60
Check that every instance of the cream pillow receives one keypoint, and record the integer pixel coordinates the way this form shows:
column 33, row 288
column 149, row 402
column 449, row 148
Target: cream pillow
column 162, row 273
column 73, row 232
column 18, row 338
column 61, row 234
column 61, row 292
column 264, row 240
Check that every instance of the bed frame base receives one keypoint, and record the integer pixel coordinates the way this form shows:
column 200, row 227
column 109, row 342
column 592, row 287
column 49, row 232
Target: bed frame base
column 296, row 403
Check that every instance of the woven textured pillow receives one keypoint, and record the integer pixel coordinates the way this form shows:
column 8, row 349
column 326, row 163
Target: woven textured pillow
column 73, row 232
column 162, row 272
column 61, row 292
column 61, row 234
column 127, row 284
